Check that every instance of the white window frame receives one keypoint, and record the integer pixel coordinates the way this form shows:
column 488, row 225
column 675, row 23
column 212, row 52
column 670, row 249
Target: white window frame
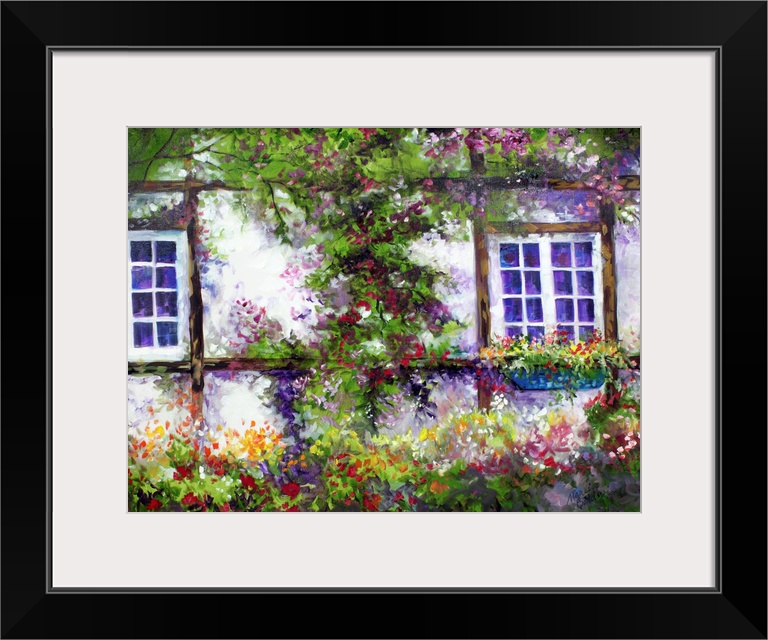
column 156, row 353
column 544, row 240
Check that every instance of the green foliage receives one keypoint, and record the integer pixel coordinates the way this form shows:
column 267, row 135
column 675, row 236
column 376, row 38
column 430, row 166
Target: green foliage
column 471, row 462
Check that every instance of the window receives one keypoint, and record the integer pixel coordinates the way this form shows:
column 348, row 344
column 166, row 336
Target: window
column 541, row 282
column 158, row 304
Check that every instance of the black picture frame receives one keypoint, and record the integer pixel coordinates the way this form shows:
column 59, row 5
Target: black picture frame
column 736, row 608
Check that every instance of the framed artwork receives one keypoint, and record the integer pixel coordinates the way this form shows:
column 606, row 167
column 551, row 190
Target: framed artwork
column 278, row 354
column 384, row 319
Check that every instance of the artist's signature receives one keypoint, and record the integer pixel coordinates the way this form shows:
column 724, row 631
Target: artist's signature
column 581, row 498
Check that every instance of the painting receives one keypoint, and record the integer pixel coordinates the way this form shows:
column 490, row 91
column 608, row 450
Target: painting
column 383, row 320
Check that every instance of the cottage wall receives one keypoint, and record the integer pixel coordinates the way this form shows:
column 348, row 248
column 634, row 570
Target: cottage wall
column 256, row 298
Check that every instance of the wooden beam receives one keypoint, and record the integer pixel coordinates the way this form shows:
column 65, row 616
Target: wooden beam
column 482, row 268
column 512, row 183
column 610, row 317
column 525, row 228
column 258, row 364
column 179, row 186
column 196, row 341
column 139, row 368
column 493, row 183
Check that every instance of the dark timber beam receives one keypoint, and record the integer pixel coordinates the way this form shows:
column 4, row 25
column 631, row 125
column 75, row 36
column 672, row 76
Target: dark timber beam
column 493, row 183
column 607, row 217
column 196, row 343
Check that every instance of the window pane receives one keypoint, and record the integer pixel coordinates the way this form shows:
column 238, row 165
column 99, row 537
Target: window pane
column 583, row 251
column 141, row 251
column 585, row 282
column 564, row 310
column 142, row 334
column 586, row 311
column 514, row 331
column 535, row 332
column 141, row 277
column 513, row 310
column 166, row 303
column 511, row 282
column 534, row 310
column 585, row 332
column 568, row 329
column 531, row 255
column 510, row 255
column 142, row 305
column 166, row 334
column 532, row 282
column 166, row 277
column 563, row 283
column 166, row 252
column 561, row 254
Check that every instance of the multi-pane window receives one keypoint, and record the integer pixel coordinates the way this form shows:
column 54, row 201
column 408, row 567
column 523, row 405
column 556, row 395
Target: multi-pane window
column 539, row 283
column 158, row 306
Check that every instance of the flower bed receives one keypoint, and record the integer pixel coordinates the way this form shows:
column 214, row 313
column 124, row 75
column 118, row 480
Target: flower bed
column 475, row 461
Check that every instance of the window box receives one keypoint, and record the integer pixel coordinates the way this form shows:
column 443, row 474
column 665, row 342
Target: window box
column 542, row 379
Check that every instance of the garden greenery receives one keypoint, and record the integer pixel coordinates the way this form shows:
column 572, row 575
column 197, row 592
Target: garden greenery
column 353, row 201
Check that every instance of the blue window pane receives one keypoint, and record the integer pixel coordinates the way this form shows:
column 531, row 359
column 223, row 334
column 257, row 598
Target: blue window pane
column 510, row 255
column 585, row 282
column 563, row 283
column 142, row 305
column 534, row 310
column 166, row 277
column 514, row 331
column 166, row 252
column 531, row 255
column 561, row 254
column 513, row 310
column 166, row 303
column 586, row 310
column 585, row 332
column 536, row 332
column 532, row 282
column 583, row 254
column 568, row 329
column 511, row 282
column 141, row 277
column 166, row 334
column 141, row 251
column 564, row 310
column 142, row 334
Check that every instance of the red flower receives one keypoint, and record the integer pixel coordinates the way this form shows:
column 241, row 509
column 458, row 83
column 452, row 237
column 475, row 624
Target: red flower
column 371, row 502
column 181, row 473
column 291, row 489
column 190, row 499
column 247, row 481
column 154, row 504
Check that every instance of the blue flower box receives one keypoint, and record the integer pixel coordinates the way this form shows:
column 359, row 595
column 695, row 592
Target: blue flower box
column 544, row 379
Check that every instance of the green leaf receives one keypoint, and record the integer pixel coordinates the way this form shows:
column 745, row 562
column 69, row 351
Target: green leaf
column 277, row 169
